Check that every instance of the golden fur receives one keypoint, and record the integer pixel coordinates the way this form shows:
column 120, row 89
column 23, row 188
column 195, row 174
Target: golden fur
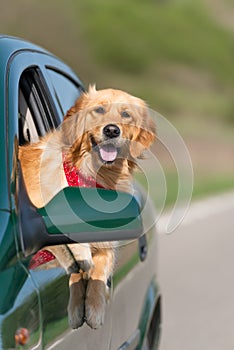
column 84, row 143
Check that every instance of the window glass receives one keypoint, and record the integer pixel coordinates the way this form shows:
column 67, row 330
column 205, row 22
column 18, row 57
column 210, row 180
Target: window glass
column 66, row 90
column 27, row 128
column 37, row 113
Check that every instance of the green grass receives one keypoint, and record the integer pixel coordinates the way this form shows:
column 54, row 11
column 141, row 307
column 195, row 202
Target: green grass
column 163, row 191
column 134, row 35
column 207, row 185
column 204, row 185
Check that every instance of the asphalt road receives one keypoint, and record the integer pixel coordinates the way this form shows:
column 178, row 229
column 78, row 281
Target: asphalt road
column 196, row 274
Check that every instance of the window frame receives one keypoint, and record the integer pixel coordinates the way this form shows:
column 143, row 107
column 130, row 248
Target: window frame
column 17, row 63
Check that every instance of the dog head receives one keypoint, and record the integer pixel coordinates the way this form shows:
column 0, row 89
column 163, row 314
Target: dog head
column 106, row 127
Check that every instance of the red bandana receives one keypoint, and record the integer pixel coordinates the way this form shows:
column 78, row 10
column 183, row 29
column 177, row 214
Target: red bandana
column 75, row 178
column 40, row 258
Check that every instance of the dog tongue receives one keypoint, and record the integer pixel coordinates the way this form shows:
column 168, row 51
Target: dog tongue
column 108, row 153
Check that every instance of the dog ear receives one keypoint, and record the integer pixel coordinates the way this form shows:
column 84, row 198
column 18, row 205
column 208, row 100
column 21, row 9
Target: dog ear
column 73, row 136
column 73, row 124
column 143, row 137
column 80, row 103
column 77, row 107
column 92, row 89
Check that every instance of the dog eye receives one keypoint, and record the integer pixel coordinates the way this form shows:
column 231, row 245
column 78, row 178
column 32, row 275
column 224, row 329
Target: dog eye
column 100, row 110
column 125, row 114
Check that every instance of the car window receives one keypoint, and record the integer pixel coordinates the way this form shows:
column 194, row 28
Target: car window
column 37, row 113
column 66, row 90
column 27, row 128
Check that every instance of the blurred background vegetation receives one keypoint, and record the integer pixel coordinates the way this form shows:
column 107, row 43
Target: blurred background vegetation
column 178, row 55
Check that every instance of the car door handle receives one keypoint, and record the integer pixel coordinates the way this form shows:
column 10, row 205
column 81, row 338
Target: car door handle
column 143, row 247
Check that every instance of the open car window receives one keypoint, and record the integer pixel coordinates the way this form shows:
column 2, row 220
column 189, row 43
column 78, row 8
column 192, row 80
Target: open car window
column 37, row 113
column 27, row 129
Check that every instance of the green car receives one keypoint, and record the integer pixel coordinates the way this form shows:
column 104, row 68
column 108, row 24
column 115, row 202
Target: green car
column 36, row 90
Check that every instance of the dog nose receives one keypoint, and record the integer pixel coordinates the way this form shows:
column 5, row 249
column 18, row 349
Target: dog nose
column 111, row 131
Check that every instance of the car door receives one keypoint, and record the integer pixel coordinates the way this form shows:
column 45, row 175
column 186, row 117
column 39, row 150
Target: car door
column 20, row 317
column 41, row 88
column 134, row 291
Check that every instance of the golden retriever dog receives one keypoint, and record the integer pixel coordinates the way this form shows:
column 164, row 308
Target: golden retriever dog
column 97, row 144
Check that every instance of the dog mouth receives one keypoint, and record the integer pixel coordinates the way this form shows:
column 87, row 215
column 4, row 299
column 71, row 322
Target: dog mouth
column 108, row 151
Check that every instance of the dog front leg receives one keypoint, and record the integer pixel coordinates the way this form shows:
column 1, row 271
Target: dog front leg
column 83, row 256
column 64, row 258
column 97, row 291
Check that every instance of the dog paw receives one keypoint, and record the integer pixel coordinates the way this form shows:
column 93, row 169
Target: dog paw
column 76, row 316
column 95, row 313
column 76, row 305
column 82, row 265
column 95, row 304
column 73, row 268
column 85, row 265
